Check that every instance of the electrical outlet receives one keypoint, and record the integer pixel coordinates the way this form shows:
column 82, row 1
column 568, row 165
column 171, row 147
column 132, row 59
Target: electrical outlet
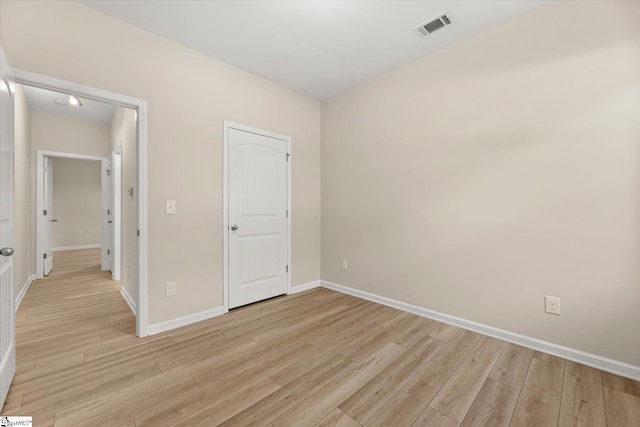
column 171, row 288
column 345, row 264
column 552, row 305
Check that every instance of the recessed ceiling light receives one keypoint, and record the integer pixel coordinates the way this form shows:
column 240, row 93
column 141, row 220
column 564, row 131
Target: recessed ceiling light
column 74, row 101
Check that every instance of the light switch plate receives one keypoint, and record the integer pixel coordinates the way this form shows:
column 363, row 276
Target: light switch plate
column 170, row 207
column 171, row 289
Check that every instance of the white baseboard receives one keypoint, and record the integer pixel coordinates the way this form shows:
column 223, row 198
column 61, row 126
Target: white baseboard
column 156, row 328
column 603, row 363
column 75, row 248
column 24, row 290
column 304, row 287
column 129, row 300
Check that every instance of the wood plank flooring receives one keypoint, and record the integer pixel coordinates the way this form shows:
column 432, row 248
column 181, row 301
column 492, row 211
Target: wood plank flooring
column 318, row 358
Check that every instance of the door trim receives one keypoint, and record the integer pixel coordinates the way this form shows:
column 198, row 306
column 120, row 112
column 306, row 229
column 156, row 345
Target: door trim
column 140, row 105
column 116, row 167
column 40, row 222
column 227, row 125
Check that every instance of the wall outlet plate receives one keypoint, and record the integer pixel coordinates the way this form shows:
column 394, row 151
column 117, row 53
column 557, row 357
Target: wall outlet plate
column 345, row 264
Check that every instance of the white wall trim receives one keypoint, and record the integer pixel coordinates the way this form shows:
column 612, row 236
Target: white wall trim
column 178, row 322
column 24, row 290
column 592, row 360
column 116, row 166
column 140, row 105
column 128, row 299
column 304, row 287
column 75, row 248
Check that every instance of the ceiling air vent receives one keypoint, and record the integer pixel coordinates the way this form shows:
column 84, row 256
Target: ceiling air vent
column 433, row 25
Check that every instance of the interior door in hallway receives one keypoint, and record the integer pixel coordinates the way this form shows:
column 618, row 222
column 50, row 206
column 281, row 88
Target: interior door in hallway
column 49, row 220
column 7, row 312
column 258, row 217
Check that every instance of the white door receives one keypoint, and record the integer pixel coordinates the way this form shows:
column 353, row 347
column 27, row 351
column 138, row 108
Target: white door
column 258, row 223
column 107, row 216
column 116, row 209
column 7, row 313
column 49, row 220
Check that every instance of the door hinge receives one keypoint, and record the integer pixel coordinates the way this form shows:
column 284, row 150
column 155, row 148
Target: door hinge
column 138, row 233
column 287, row 268
column 108, row 172
column 108, row 251
column 44, row 212
column 44, row 256
column 288, row 154
column 287, row 213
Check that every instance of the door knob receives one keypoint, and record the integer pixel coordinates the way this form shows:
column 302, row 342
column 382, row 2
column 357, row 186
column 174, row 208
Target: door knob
column 6, row 251
column 234, row 227
column 109, row 222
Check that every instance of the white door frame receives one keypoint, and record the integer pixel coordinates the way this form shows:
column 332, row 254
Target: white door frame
column 106, row 205
column 40, row 219
column 111, row 198
column 140, row 105
column 225, row 204
column 46, row 238
column 116, row 168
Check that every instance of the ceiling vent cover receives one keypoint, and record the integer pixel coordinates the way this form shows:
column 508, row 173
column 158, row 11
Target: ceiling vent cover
column 435, row 24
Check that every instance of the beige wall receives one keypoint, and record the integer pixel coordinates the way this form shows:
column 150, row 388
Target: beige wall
column 189, row 95
column 504, row 168
column 24, row 264
column 68, row 135
column 77, row 202
column 123, row 134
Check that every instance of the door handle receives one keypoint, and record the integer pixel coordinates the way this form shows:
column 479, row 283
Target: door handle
column 234, row 227
column 6, row 251
column 109, row 222
column 54, row 220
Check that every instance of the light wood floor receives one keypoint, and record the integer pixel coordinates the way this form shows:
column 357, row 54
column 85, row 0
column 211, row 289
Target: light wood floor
column 318, row 358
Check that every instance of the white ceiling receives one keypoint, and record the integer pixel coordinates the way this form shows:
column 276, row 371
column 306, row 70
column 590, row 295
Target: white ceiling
column 43, row 100
column 316, row 47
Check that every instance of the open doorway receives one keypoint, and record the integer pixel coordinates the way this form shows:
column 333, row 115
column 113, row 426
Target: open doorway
column 69, row 197
column 122, row 191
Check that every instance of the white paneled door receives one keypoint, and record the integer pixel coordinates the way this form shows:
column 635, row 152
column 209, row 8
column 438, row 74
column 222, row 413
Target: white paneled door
column 258, row 216
column 49, row 220
column 7, row 312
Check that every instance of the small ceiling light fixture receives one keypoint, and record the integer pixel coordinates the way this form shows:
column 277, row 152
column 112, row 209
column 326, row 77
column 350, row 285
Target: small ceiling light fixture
column 75, row 101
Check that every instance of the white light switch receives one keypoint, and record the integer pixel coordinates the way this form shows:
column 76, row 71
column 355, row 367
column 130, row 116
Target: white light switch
column 170, row 207
column 171, row 288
